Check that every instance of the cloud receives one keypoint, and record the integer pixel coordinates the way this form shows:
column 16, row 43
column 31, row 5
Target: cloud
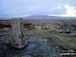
column 59, row 6
column 26, row 7
column 11, row 8
column 70, row 11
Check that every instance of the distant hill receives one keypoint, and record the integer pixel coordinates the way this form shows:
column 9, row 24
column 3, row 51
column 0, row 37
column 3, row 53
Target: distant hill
column 47, row 17
column 42, row 17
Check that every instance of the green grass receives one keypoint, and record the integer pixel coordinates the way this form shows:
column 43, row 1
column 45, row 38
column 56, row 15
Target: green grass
column 3, row 34
column 65, row 41
column 44, row 33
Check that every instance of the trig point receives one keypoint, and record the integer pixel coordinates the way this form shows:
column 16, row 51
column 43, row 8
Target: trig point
column 17, row 33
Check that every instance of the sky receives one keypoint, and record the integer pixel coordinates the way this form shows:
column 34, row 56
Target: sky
column 22, row 8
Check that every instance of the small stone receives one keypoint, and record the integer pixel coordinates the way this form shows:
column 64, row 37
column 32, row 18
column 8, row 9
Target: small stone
column 45, row 40
column 70, row 50
column 27, row 56
column 57, row 47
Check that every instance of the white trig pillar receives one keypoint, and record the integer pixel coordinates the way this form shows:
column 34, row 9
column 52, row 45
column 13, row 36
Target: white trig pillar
column 17, row 33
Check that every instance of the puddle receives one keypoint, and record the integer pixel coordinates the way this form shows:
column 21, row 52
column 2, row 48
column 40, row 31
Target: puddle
column 32, row 46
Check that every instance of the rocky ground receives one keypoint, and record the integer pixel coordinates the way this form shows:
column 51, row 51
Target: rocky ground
column 38, row 47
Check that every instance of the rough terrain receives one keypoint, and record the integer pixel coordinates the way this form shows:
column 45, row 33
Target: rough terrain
column 38, row 47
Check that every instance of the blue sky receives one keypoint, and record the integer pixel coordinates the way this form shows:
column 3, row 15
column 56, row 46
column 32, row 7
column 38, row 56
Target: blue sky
column 19, row 8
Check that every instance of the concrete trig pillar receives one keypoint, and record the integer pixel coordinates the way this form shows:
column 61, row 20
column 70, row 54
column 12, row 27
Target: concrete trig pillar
column 17, row 33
